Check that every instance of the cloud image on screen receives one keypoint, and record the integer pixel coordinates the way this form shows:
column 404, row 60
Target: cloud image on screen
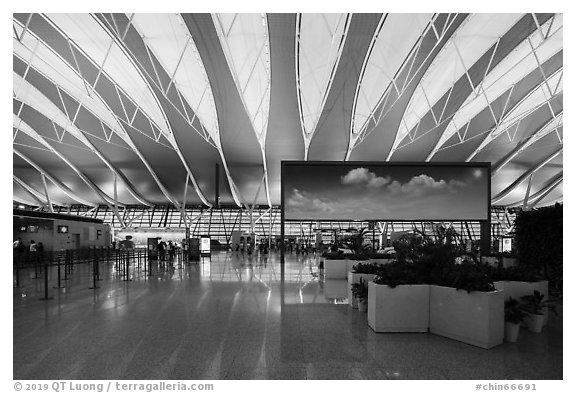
column 347, row 191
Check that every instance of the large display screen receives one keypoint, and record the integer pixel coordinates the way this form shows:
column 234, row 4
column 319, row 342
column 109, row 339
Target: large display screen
column 385, row 191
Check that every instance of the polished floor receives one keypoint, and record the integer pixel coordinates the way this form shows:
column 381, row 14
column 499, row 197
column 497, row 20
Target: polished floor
column 234, row 317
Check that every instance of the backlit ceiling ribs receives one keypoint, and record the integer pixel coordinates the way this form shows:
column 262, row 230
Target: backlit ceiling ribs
column 54, row 64
column 245, row 41
column 71, row 194
column 502, row 78
column 319, row 42
column 464, row 48
column 536, row 197
column 168, row 39
column 171, row 64
column 101, row 49
column 553, row 125
column 40, row 198
column 540, row 96
column 117, row 41
column 395, row 40
column 407, row 73
column 36, row 99
column 434, row 87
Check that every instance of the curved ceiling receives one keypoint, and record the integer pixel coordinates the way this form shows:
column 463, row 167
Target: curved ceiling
column 123, row 109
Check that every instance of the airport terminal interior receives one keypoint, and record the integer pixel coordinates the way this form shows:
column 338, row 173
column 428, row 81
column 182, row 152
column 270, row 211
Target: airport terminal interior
column 371, row 196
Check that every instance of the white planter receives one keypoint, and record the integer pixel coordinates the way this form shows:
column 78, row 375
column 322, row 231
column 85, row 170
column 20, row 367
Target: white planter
column 339, row 268
column 362, row 305
column 517, row 289
column 401, row 309
column 335, row 289
column 534, row 322
column 475, row 318
column 511, row 331
column 335, row 268
column 354, row 278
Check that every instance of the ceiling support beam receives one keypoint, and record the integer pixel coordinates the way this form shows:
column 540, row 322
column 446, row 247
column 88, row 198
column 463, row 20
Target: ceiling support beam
column 184, row 197
column 69, row 127
column 136, row 216
column 29, row 190
column 526, row 197
column 121, row 122
column 408, row 79
column 89, row 211
column 119, row 41
column 537, row 196
column 447, row 133
column 547, row 191
column 494, row 131
column 33, row 134
column 115, row 205
column 504, row 193
column 536, row 136
column 48, row 202
column 55, row 181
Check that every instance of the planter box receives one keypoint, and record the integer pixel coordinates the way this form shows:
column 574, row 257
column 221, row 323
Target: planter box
column 354, row 278
column 335, row 268
column 517, row 289
column 335, row 290
column 339, row 268
column 476, row 318
column 401, row 309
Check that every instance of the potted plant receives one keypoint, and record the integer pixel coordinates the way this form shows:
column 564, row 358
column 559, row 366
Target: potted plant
column 514, row 314
column 535, row 305
column 520, row 280
column 361, row 271
column 360, row 292
column 398, row 299
column 465, row 306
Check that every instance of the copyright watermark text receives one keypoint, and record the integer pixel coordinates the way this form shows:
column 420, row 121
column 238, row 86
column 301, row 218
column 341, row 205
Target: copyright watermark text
column 110, row 386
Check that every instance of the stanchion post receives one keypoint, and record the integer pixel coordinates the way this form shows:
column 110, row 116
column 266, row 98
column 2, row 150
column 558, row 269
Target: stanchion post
column 94, row 272
column 149, row 262
column 127, row 266
column 99, row 256
column 66, row 257
column 58, row 263
column 46, row 297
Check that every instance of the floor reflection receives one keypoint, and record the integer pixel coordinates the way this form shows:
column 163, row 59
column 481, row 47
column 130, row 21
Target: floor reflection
column 234, row 316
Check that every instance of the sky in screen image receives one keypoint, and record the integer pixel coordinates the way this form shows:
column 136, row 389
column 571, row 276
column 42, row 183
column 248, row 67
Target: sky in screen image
column 385, row 192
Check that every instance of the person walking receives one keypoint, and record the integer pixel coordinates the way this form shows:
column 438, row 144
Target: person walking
column 162, row 251
column 19, row 249
column 171, row 251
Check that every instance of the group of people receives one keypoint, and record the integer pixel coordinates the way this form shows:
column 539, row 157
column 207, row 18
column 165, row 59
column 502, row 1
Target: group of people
column 34, row 251
column 300, row 248
column 261, row 248
column 166, row 249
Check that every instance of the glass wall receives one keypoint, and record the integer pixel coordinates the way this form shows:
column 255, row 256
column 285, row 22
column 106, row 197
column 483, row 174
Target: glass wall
column 219, row 223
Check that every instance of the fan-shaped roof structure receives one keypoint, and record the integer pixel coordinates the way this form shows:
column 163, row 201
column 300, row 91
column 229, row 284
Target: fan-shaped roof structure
column 140, row 108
